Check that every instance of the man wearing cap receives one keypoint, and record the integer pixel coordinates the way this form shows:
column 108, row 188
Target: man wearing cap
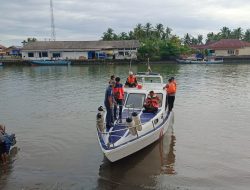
column 131, row 80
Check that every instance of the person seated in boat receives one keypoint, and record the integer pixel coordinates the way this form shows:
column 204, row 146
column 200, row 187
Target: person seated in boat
column 6, row 141
column 151, row 103
column 131, row 80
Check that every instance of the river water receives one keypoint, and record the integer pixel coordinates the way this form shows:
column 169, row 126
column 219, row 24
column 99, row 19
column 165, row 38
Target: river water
column 52, row 111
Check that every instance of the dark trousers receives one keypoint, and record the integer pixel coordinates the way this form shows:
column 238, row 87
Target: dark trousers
column 171, row 102
column 109, row 117
column 119, row 103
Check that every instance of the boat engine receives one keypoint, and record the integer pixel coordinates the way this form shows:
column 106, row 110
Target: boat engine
column 137, row 121
column 131, row 126
column 100, row 119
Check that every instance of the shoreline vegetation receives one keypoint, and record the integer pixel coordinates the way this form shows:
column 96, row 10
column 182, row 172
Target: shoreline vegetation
column 158, row 43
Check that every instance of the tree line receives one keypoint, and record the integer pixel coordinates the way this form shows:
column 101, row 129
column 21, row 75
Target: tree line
column 159, row 43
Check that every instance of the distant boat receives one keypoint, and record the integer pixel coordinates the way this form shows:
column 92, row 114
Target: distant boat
column 198, row 61
column 50, row 62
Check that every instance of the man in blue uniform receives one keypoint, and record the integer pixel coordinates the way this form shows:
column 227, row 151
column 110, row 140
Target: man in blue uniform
column 109, row 104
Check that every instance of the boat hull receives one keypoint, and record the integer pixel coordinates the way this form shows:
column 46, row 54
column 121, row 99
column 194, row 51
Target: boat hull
column 199, row 62
column 138, row 144
column 50, row 62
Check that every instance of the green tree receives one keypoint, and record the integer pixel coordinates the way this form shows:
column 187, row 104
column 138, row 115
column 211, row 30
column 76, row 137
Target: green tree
column 200, row 39
column 109, row 35
column 148, row 29
column 246, row 36
column 187, row 39
column 159, row 30
column 24, row 42
column 237, row 33
column 225, row 33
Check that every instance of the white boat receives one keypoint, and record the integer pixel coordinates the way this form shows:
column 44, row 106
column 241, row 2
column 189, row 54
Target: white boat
column 198, row 61
column 50, row 62
column 126, row 138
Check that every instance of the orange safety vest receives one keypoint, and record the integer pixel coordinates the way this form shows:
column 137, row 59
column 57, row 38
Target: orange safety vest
column 171, row 88
column 118, row 91
column 131, row 80
column 153, row 101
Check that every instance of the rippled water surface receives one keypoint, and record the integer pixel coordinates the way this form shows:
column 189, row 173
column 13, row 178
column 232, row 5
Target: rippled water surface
column 52, row 111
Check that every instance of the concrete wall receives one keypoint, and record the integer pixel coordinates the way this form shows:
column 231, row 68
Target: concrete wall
column 237, row 52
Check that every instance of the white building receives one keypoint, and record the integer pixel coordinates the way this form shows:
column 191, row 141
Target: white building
column 45, row 50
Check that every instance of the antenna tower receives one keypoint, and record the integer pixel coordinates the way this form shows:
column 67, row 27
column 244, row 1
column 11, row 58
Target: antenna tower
column 53, row 33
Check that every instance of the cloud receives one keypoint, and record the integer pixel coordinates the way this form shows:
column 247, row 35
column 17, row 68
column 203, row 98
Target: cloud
column 88, row 19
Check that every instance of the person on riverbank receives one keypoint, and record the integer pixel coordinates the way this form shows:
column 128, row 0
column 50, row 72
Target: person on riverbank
column 171, row 88
column 109, row 104
column 6, row 141
column 119, row 97
column 131, row 80
column 151, row 104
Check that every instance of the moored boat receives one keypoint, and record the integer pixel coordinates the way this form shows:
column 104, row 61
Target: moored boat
column 198, row 61
column 50, row 62
column 137, row 129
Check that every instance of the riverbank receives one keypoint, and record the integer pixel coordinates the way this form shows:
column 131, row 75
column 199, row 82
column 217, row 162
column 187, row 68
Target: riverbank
column 21, row 62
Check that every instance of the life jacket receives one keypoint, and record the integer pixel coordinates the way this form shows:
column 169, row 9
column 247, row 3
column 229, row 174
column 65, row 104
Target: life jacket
column 171, row 88
column 153, row 101
column 118, row 91
column 131, row 80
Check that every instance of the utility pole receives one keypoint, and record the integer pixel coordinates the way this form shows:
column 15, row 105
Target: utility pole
column 53, row 33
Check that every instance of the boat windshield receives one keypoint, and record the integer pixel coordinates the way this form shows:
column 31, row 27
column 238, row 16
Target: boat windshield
column 148, row 79
column 135, row 100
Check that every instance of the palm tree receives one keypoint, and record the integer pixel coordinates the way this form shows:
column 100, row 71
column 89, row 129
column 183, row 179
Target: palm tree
column 148, row 29
column 159, row 30
column 247, row 35
column 200, row 38
column 109, row 35
column 225, row 33
column 187, row 39
column 167, row 33
column 237, row 33
column 139, row 32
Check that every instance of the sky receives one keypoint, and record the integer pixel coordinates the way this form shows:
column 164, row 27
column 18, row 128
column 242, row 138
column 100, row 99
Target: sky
column 83, row 20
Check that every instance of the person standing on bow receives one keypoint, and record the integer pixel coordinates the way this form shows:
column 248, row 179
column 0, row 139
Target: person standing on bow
column 131, row 80
column 119, row 97
column 171, row 90
column 109, row 104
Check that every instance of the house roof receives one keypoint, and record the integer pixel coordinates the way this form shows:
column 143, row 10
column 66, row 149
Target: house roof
column 224, row 44
column 2, row 47
column 88, row 45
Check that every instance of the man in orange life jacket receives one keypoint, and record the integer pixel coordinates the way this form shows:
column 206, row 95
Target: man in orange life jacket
column 171, row 90
column 131, row 80
column 151, row 103
column 119, row 96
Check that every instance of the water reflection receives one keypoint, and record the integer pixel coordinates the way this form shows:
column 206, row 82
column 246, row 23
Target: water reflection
column 138, row 171
column 166, row 149
column 6, row 169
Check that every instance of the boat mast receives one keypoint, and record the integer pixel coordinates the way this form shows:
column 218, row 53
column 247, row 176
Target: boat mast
column 53, row 33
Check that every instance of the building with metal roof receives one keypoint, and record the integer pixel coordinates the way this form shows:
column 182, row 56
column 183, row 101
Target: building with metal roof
column 122, row 49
